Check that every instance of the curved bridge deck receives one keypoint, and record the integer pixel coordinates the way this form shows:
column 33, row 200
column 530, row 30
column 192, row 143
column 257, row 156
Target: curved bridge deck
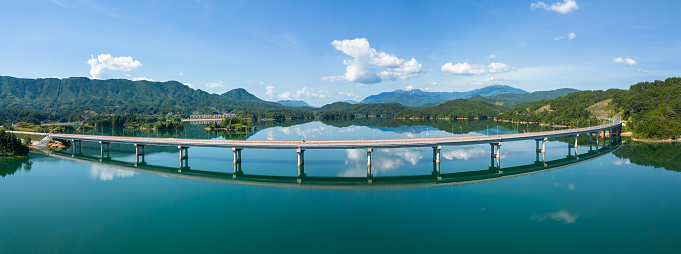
column 338, row 144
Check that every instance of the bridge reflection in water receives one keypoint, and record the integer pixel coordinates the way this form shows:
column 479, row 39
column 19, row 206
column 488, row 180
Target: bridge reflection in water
column 238, row 176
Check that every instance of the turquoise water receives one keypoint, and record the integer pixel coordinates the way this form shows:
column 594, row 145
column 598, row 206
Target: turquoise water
column 624, row 200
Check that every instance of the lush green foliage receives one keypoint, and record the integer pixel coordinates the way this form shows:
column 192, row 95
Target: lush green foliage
column 567, row 110
column 9, row 165
column 69, row 99
column 511, row 100
column 454, row 109
column 155, row 122
column 10, row 145
column 653, row 109
column 15, row 116
column 659, row 155
column 344, row 110
column 230, row 123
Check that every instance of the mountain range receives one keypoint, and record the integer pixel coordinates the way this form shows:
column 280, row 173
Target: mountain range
column 294, row 103
column 416, row 97
column 122, row 95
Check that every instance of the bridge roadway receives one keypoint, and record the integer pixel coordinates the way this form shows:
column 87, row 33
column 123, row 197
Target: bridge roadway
column 337, row 144
column 369, row 182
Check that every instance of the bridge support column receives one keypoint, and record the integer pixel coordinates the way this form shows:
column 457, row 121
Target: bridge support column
column 139, row 149
column 301, row 156
column 301, row 172
column 607, row 137
column 543, row 145
column 369, row 150
column 496, row 150
column 101, row 145
column 184, row 152
column 75, row 147
column 436, row 153
column 436, row 170
column 103, row 150
column 138, row 161
column 237, row 155
column 237, row 170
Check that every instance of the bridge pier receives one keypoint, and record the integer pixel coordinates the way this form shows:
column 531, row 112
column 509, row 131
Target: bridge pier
column 495, row 163
column 101, row 145
column 436, row 153
column 75, row 144
column 436, row 170
column 570, row 144
column 184, row 152
column 591, row 141
column 543, row 145
column 543, row 158
column 184, row 165
column 237, row 155
column 138, row 162
column 301, row 172
column 237, row 170
column 369, row 150
column 301, row 156
column 139, row 149
column 496, row 150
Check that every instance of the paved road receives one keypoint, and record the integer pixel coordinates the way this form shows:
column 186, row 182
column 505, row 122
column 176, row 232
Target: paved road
column 335, row 144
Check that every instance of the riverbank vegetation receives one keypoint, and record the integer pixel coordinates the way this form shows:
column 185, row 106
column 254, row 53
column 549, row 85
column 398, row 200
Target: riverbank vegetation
column 454, row 109
column 230, row 123
column 344, row 110
column 134, row 121
column 11, row 145
column 652, row 110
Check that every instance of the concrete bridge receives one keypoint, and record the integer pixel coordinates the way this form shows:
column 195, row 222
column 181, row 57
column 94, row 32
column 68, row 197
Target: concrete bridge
column 434, row 179
column 608, row 130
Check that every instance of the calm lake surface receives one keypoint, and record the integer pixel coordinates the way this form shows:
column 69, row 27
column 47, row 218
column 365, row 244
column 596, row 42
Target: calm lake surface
column 624, row 199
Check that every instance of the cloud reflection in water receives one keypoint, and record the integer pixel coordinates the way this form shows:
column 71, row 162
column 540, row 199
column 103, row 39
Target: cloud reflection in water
column 104, row 173
column 564, row 216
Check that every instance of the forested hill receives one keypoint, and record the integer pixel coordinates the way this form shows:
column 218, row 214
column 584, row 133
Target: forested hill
column 340, row 110
column 511, row 100
column 652, row 109
column 54, row 95
column 454, row 109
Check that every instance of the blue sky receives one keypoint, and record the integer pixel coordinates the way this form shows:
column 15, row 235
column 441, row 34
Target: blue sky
column 326, row 51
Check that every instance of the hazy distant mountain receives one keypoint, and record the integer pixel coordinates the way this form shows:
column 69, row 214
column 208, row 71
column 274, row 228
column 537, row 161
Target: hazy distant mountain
column 294, row 103
column 351, row 101
column 511, row 100
column 417, row 97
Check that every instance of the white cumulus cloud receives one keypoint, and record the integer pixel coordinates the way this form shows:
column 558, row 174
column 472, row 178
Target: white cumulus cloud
column 189, row 85
column 642, row 70
column 493, row 81
column 302, row 93
column 142, row 78
column 557, row 38
column 572, row 36
column 106, row 61
column 475, row 69
column 564, row 8
column 214, row 84
column 270, row 91
column 370, row 66
column 333, row 78
column 627, row 61
column 349, row 94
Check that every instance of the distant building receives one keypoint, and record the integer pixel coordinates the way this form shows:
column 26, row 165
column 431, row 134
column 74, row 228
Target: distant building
column 223, row 115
